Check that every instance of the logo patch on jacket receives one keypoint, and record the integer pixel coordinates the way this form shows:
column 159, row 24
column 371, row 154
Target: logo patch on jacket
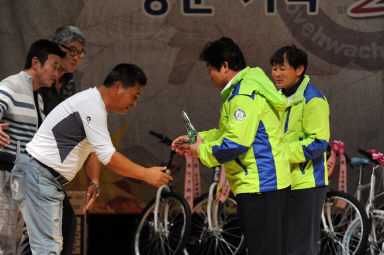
column 239, row 115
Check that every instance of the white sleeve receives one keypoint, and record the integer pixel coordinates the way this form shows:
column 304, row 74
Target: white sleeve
column 94, row 117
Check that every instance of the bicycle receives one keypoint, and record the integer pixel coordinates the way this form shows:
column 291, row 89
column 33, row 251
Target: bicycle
column 337, row 235
column 214, row 228
column 376, row 216
column 165, row 222
column 335, row 224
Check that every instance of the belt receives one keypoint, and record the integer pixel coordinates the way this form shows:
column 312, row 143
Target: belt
column 58, row 177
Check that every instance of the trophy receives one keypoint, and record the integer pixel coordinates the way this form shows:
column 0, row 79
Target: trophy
column 192, row 133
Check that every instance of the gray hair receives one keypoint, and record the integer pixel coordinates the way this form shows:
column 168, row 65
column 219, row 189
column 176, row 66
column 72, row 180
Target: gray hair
column 68, row 34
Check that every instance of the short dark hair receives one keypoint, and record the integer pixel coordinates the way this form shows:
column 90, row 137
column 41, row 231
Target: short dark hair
column 294, row 56
column 225, row 49
column 41, row 49
column 127, row 74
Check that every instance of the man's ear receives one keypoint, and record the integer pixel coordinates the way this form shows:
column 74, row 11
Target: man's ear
column 117, row 86
column 35, row 63
column 225, row 66
column 299, row 70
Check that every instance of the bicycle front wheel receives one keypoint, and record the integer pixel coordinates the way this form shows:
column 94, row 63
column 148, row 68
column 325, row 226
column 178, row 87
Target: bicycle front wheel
column 174, row 222
column 224, row 237
column 344, row 225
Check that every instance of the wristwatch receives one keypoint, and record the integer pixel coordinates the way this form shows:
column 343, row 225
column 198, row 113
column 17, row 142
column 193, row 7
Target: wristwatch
column 97, row 188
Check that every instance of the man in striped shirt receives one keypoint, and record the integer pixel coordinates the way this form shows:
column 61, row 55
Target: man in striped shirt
column 72, row 41
column 21, row 114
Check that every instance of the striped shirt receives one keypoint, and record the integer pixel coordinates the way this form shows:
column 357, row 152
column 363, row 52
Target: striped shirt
column 17, row 107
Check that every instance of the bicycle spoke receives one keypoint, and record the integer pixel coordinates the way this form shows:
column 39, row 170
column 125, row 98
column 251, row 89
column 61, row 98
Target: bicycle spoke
column 228, row 245
column 171, row 230
column 344, row 229
column 225, row 237
column 239, row 236
column 376, row 238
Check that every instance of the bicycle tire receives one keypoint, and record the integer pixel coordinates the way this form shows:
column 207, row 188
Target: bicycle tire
column 344, row 230
column 226, row 239
column 376, row 237
column 172, row 235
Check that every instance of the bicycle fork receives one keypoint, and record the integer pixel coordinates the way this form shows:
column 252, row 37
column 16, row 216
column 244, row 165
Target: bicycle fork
column 157, row 226
column 212, row 208
column 213, row 204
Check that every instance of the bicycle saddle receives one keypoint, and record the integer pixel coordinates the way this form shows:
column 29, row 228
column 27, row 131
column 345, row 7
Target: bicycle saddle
column 359, row 161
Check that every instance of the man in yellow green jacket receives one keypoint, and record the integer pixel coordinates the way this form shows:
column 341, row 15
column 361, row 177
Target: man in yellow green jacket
column 249, row 143
column 306, row 136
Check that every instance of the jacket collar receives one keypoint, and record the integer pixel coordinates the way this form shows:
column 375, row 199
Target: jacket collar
column 299, row 95
column 226, row 92
column 27, row 79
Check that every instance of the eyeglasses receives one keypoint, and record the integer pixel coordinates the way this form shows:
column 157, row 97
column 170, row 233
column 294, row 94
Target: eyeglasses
column 73, row 51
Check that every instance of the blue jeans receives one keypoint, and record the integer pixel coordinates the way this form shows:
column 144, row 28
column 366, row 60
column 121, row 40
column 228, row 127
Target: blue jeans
column 40, row 199
column 8, row 216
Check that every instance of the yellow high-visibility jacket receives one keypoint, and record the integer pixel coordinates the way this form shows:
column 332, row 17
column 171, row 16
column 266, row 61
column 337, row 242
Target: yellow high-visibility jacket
column 249, row 140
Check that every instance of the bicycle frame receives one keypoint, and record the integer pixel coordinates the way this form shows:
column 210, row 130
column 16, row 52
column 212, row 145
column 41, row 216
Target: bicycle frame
column 372, row 213
column 361, row 187
column 327, row 222
column 371, row 185
column 370, row 207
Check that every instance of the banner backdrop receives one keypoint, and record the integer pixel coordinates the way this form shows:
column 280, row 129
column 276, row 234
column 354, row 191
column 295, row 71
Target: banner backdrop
column 344, row 41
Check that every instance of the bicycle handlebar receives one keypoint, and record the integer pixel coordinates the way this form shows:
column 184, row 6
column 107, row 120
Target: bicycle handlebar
column 163, row 138
column 369, row 156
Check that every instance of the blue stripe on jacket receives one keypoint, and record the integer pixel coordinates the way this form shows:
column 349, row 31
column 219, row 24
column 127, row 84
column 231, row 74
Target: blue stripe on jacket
column 235, row 91
column 286, row 121
column 264, row 159
column 17, row 103
column 312, row 92
column 319, row 171
column 315, row 149
column 228, row 151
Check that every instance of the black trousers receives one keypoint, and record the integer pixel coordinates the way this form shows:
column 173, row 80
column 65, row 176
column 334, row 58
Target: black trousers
column 263, row 219
column 69, row 230
column 304, row 220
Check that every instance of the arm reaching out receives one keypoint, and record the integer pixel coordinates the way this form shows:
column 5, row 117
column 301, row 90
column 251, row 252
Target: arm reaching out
column 125, row 167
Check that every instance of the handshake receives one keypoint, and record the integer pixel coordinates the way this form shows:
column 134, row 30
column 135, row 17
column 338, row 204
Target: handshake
column 187, row 143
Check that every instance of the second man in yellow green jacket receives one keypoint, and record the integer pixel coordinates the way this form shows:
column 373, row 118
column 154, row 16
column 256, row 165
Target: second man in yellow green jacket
column 306, row 136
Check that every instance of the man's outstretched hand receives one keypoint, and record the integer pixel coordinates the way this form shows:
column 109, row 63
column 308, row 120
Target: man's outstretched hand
column 156, row 176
